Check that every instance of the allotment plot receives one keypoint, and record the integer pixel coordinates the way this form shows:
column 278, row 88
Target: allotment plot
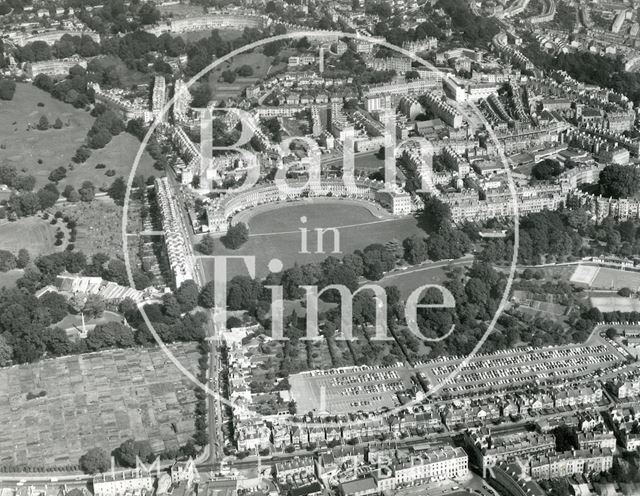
column 56, row 410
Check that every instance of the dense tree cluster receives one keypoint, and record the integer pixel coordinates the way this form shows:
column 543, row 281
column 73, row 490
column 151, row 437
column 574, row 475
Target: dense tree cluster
column 47, row 267
column 273, row 129
column 23, row 202
column 587, row 67
column 352, row 64
column 206, row 245
column 27, row 331
column 547, row 169
column 619, row 181
column 236, row 236
column 95, row 461
column 73, row 89
column 19, row 181
column 562, row 235
column 106, row 125
column 543, row 237
column 48, row 196
column 25, row 328
column 201, row 53
column 109, row 335
column 7, row 261
column 66, row 47
column 126, row 454
column 611, row 237
column 474, row 30
column 7, row 89
column 115, row 16
column 167, row 323
column 117, row 191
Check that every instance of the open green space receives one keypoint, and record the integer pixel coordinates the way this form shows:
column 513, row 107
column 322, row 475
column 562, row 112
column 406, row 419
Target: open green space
column 33, row 233
column 8, row 279
column 75, row 321
column 614, row 279
column 128, row 77
column 275, row 234
column 260, row 64
column 407, row 281
column 22, row 148
column 119, row 156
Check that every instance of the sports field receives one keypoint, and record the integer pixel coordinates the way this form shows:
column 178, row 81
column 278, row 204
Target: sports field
column 32, row 233
column 98, row 399
column 616, row 279
column 606, row 278
column 275, row 234
column 584, row 274
column 56, row 147
column 615, row 304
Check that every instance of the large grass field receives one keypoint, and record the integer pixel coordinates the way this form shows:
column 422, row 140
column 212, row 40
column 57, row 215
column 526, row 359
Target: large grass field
column 95, row 400
column 614, row 303
column 118, row 155
column 56, row 147
column 275, row 234
column 33, row 233
column 606, row 277
column 616, row 279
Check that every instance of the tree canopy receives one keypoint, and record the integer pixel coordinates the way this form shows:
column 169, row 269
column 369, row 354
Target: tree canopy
column 619, row 181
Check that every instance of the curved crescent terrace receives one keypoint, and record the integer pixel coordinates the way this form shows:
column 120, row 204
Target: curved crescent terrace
column 225, row 208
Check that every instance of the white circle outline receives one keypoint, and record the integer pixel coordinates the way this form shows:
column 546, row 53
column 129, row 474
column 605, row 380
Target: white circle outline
column 336, row 34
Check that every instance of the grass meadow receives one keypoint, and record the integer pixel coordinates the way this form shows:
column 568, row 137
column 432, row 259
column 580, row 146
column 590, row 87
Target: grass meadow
column 22, row 148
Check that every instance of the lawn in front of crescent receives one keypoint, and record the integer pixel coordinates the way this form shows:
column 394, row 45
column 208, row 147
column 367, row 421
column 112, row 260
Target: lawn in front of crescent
column 275, row 234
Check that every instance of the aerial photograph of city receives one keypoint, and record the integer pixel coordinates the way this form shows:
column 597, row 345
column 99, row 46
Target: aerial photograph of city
column 319, row 247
